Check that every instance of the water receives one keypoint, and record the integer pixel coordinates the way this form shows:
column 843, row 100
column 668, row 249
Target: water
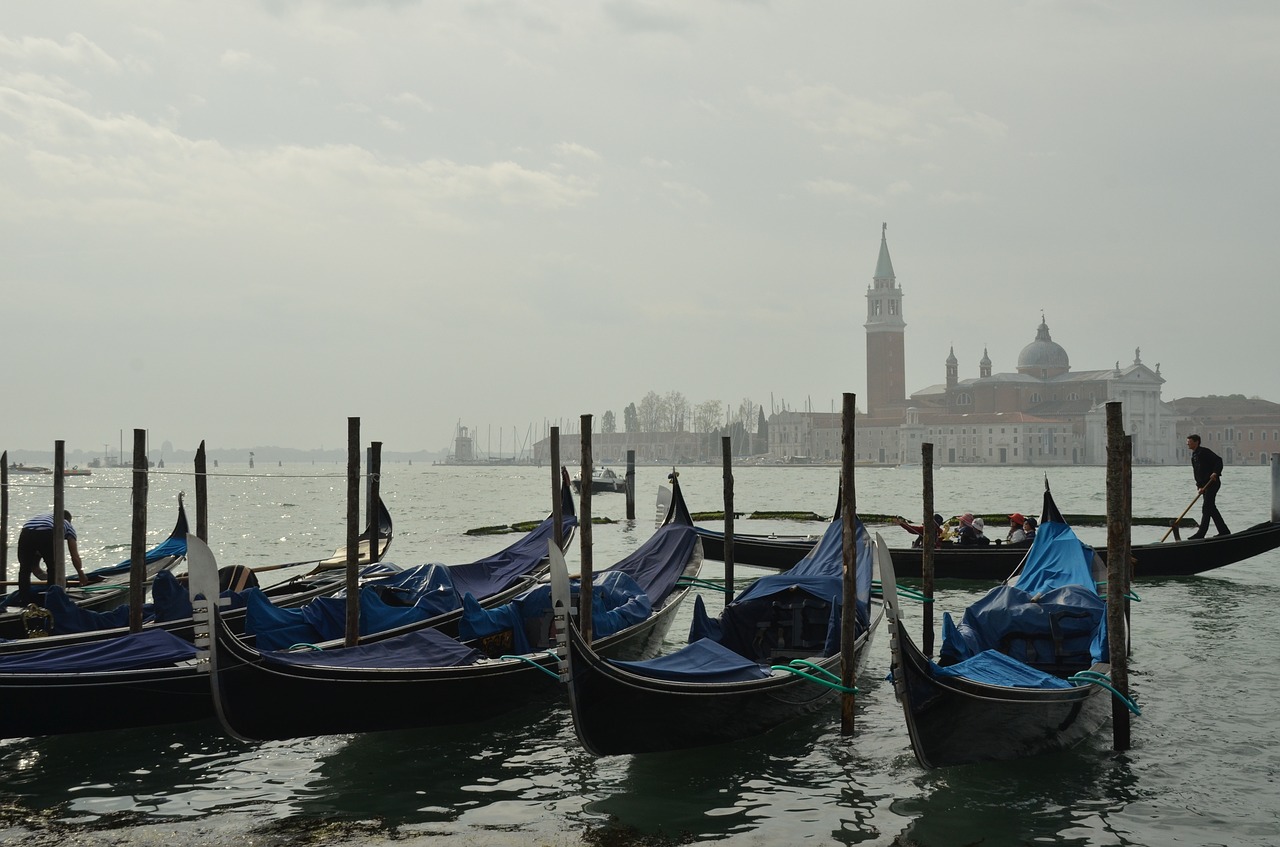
column 1202, row 770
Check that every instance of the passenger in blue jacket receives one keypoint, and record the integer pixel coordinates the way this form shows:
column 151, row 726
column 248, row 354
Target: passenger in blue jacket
column 1206, row 466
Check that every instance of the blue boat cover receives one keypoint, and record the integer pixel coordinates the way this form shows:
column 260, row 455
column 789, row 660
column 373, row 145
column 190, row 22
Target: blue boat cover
column 1052, row 619
column 424, row 648
column 819, row 576
column 617, row 602
column 702, row 661
column 495, row 574
column 995, row 668
column 150, row 648
column 175, row 545
column 323, row 619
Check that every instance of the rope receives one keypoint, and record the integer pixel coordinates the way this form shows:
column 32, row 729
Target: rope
column 1128, row 595
column 534, row 664
column 804, row 673
column 1103, row 681
column 904, row 591
column 691, row 582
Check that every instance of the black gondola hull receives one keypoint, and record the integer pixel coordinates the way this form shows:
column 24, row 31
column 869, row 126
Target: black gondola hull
column 957, row 721
column 998, row 562
column 616, row 712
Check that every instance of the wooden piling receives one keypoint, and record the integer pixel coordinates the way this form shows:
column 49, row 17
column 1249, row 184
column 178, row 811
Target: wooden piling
column 584, row 528
column 353, row 532
column 202, row 494
column 848, row 616
column 58, row 567
column 4, row 516
column 1117, row 570
column 631, row 485
column 726, row 457
column 1275, row 487
column 928, row 541
column 138, row 542
column 1126, row 469
column 557, row 510
column 373, row 518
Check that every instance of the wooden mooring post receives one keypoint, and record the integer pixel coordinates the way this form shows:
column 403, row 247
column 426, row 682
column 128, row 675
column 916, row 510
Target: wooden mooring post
column 138, row 542
column 374, row 496
column 58, row 568
column 4, row 516
column 928, row 541
column 353, row 532
column 849, row 611
column 1275, row 487
column 202, row 493
column 584, row 527
column 1117, row 573
column 726, row 457
column 631, row 485
column 557, row 507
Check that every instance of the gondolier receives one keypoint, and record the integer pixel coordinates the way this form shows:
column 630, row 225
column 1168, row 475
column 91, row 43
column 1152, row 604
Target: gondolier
column 1206, row 466
column 35, row 544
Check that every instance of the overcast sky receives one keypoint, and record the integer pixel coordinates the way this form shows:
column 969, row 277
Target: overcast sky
column 244, row 222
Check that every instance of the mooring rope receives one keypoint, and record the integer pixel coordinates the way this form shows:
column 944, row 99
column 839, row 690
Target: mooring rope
column 1103, row 681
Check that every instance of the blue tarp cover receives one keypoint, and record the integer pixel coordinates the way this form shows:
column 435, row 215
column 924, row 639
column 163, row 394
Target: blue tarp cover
column 1052, row 618
column 819, row 576
column 995, row 668
column 426, row 648
column 323, row 619
column 151, row 648
column 494, row 574
column 702, row 661
column 617, row 602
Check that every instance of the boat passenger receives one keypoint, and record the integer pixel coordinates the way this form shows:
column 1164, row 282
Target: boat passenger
column 944, row 532
column 1029, row 527
column 970, row 533
column 1017, row 535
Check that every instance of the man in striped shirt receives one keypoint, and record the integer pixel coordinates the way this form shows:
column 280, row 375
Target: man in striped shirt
column 35, row 543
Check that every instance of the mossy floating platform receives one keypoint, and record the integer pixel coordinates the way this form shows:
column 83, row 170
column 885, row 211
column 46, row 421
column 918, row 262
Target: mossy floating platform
column 521, row 527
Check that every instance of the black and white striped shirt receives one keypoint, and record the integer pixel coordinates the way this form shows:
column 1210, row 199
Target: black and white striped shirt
column 45, row 522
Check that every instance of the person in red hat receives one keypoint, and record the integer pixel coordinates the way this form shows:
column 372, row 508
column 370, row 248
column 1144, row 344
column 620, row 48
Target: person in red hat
column 1017, row 535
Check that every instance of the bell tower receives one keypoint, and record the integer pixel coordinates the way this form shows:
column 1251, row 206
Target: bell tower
column 886, row 337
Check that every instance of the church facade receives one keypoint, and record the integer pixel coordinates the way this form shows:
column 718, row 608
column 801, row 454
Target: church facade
column 1041, row 413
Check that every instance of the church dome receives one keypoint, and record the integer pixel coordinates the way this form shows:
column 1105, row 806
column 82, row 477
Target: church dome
column 1043, row 354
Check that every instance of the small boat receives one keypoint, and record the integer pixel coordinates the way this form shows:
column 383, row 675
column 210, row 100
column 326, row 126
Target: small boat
column 1025, row 671
column 774, row 654
column 146, row 678
column 18, row 467
column 76, row 470
column 603, row 481
column 423, row 677
column 997, row 561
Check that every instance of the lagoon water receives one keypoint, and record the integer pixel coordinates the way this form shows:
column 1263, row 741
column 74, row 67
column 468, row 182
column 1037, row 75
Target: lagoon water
column 1203, row 768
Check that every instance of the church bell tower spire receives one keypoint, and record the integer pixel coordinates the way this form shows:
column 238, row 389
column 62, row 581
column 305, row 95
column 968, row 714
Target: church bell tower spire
column 886, row 337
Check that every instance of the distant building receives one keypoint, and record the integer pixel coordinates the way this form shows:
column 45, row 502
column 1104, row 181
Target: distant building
column 1042, row 413
column 1243, row 431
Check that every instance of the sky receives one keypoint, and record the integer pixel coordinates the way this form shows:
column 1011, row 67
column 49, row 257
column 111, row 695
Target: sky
column 245, row 222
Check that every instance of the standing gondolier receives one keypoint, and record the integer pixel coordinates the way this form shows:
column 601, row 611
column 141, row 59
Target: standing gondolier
column 1206, row 466
column 35, row 543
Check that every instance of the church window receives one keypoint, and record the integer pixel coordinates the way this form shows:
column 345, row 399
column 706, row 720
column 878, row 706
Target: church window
column 1250, row 438
column 875, row 308
column 893, row 307
column 1035, row 397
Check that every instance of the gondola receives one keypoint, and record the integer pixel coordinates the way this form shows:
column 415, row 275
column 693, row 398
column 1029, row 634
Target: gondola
column 105, row 587
column 424, row 677
column 71, row 621
column 996, row 562
column 147, row 678
column 772, row 656
column 156, row 676
column 1024, row 672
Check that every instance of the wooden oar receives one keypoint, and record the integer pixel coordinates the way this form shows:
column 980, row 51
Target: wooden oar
column 1183, row 515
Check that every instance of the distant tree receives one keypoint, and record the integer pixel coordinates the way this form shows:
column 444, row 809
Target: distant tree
column 762, row 433
column 608, row 423
column 652, row 412
column 677, row 411
column 706, row 416
column 747, row 413
column 631, row 418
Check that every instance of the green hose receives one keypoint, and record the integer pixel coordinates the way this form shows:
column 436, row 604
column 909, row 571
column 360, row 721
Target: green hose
column 1103, row 681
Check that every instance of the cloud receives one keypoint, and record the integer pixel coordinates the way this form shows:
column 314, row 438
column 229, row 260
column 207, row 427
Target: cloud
column 76, row 51
column 242, row 60
column 568, row 148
